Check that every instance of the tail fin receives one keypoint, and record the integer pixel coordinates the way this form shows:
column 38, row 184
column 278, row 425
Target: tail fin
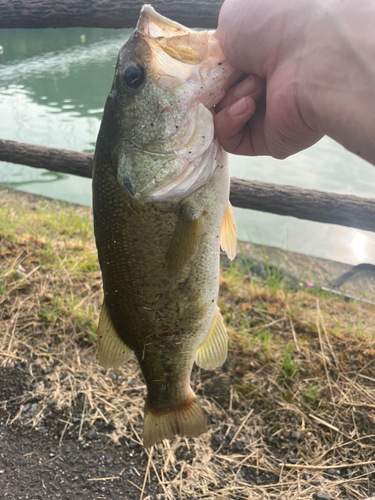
column 185, row 420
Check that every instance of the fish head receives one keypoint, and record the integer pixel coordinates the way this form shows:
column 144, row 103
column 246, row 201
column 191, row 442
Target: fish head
column 167, row 80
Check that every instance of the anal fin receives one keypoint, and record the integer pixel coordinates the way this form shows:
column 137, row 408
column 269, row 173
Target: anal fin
column 112, row 351
column 213, row 352
column 185, row 420
column 228, row 240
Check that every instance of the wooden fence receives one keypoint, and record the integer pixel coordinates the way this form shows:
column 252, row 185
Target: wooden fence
column 103, row 13
column 331, row 208
column 307, row 204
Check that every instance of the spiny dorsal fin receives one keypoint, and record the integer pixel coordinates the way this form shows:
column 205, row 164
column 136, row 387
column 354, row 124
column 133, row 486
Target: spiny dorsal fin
column 184, row 243
column 213, row 352
column 112, row 351
column 228, row 240
column 185, row 420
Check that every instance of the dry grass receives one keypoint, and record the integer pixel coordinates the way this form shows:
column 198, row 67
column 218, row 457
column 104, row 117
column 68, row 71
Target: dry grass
column 291, row 412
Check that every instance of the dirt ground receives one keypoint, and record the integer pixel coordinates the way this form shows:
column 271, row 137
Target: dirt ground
column 38, row 464
column 291, row 414
column 45, row 462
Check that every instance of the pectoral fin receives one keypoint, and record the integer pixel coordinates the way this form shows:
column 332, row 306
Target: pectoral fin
column 213, row 352
column 184, row 242
column 112, row 351
column 228, row 240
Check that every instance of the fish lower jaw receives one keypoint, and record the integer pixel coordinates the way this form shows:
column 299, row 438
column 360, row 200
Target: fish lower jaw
column 193, row 175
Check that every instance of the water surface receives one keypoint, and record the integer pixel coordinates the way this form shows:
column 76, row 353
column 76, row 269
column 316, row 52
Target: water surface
column 53, row 86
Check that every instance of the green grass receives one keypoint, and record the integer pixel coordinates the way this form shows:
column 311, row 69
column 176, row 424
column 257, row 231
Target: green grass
column 57, row 240
column 266, row 342
column 287, row 366
column 311, row 393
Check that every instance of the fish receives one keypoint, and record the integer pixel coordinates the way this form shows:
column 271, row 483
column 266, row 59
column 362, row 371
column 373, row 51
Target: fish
column 161, row 211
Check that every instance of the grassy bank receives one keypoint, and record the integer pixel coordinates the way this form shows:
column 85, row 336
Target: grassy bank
column 291, row 413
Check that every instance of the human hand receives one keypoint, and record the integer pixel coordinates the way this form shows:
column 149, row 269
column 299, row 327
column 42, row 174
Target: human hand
column 265, row 114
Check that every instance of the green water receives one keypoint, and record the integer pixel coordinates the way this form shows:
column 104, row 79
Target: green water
column 53, row 86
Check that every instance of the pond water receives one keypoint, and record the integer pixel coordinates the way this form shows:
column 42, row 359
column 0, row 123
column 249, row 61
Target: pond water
column 53, row 86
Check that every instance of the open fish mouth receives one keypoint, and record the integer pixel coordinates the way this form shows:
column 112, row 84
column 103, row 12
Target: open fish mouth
column 174, row 39
column 180, row 54
column 176, row 51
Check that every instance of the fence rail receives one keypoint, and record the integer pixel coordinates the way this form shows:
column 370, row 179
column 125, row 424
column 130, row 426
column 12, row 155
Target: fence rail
column 331, row 208
column 103, row 13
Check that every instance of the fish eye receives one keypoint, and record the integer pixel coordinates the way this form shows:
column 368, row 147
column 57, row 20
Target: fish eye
column 133, row 76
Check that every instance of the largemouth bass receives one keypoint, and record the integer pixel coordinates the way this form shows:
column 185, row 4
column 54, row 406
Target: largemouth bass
column 161, row 211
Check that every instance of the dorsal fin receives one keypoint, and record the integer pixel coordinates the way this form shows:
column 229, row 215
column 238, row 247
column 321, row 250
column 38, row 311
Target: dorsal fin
column 228, row 240
column 112, row 351
column 213, row 352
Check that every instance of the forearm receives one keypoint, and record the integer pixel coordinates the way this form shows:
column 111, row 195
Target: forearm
column 335, row 84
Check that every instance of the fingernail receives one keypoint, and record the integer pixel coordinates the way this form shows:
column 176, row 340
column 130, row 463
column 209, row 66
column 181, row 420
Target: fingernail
column 239, row 107
column 246, row 87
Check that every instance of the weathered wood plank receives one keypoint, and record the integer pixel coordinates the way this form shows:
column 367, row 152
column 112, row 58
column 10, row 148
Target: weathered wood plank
column 308, row 204
column 103, row 13
column 57, row 160
column 331, row 208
